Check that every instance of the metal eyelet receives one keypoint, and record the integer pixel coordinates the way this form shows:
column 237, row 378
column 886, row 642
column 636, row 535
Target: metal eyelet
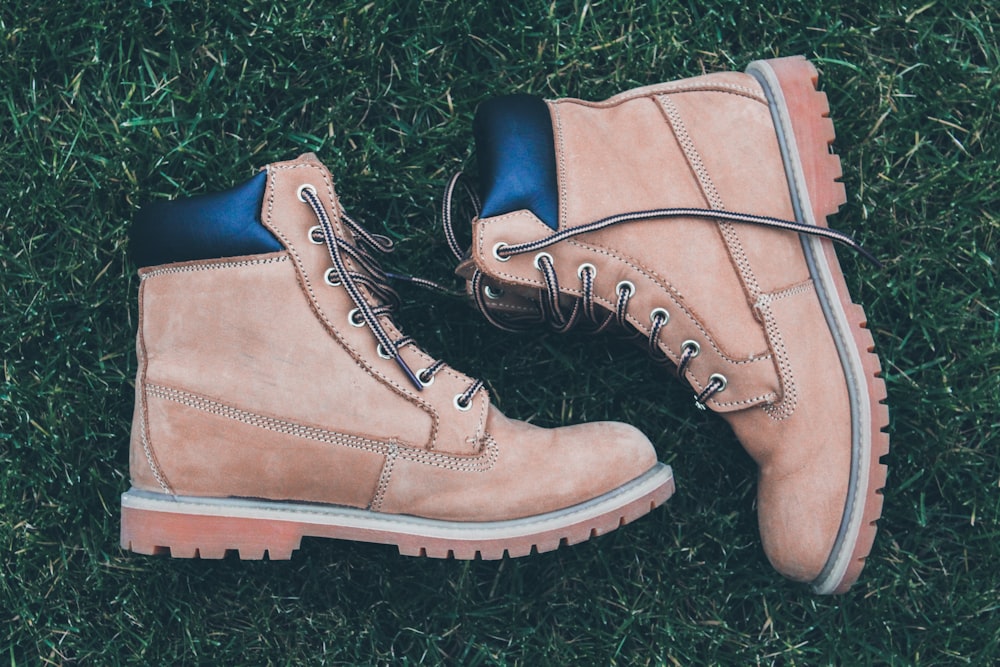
column 426, row 381
column 462, row 407
column 538, row 259
column 721, row 379
column 380, row 351
column 316, row 235
column 659, row 313
column 586, row 267
column 352, row 317
column 693, row 346
column 625, row 286
column 303, row 188
column 330, row 277
column 496, row 248
column 492, row 293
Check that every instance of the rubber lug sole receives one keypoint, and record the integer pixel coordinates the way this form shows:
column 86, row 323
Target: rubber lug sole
column 186, row 527
column 806, row 133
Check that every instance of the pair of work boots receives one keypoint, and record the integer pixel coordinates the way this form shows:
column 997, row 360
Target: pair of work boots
column 277, row 398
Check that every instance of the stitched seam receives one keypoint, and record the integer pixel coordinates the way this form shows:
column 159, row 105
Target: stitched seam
column 400, row 389
column 786, row 407
column 786, row 376
column 143, row 411
column 690, row 151
column 189, row 268
column 384, row 477
column 671, row 88
column 805, row 286
column 562, row 177
column 148, row 450
column 321, row 312
column 478, row 463
column 711, row 193
column 729, row 233
column 667, row 289
column 508, row 307
column 400, row 519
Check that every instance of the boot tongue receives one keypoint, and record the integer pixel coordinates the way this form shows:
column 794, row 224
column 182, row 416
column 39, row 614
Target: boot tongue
column 466, row 269
column 517, row 157
column 307, row 158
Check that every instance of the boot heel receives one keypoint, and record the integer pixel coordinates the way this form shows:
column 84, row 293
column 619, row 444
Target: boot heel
column 195, row 536
column 808, row 113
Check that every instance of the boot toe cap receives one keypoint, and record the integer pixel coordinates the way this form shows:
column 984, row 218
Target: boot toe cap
column 532, row 471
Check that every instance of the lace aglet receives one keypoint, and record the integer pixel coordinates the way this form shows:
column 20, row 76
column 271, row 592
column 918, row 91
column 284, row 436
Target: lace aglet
column 409, row 373
column 854, row 245
column 871, row 258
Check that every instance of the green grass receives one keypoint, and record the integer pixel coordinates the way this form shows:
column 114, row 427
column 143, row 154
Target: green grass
column 106, row 104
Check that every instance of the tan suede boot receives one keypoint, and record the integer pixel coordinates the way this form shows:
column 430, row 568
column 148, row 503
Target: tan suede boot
column 277, row 399
column 694, row 212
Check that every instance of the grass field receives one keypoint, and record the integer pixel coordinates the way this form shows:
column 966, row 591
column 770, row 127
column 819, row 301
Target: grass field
column 106, row 104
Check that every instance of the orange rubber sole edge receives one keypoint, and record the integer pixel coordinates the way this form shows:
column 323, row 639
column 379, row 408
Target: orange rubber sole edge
column 814, row 133
column 154, row 530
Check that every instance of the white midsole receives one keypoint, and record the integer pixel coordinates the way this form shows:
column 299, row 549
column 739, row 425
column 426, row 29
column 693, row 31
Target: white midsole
column 347, row 517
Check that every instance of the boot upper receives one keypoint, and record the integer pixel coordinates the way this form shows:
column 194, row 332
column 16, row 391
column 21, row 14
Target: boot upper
column 258, row 378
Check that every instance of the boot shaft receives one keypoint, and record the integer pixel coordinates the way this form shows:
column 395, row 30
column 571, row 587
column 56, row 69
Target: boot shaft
column 706, row 143
column 270, row 340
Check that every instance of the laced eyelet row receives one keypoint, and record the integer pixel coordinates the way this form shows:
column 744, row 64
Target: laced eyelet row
column 373, row 278
column 550, row 309
column 625, row 290
column 717, row 382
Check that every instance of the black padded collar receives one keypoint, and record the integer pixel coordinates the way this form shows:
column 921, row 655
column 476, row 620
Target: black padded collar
column 222, row 224
column 517, row 157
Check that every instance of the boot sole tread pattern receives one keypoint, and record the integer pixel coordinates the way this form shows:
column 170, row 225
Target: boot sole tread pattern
column 809, row 114
column 213, row 528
